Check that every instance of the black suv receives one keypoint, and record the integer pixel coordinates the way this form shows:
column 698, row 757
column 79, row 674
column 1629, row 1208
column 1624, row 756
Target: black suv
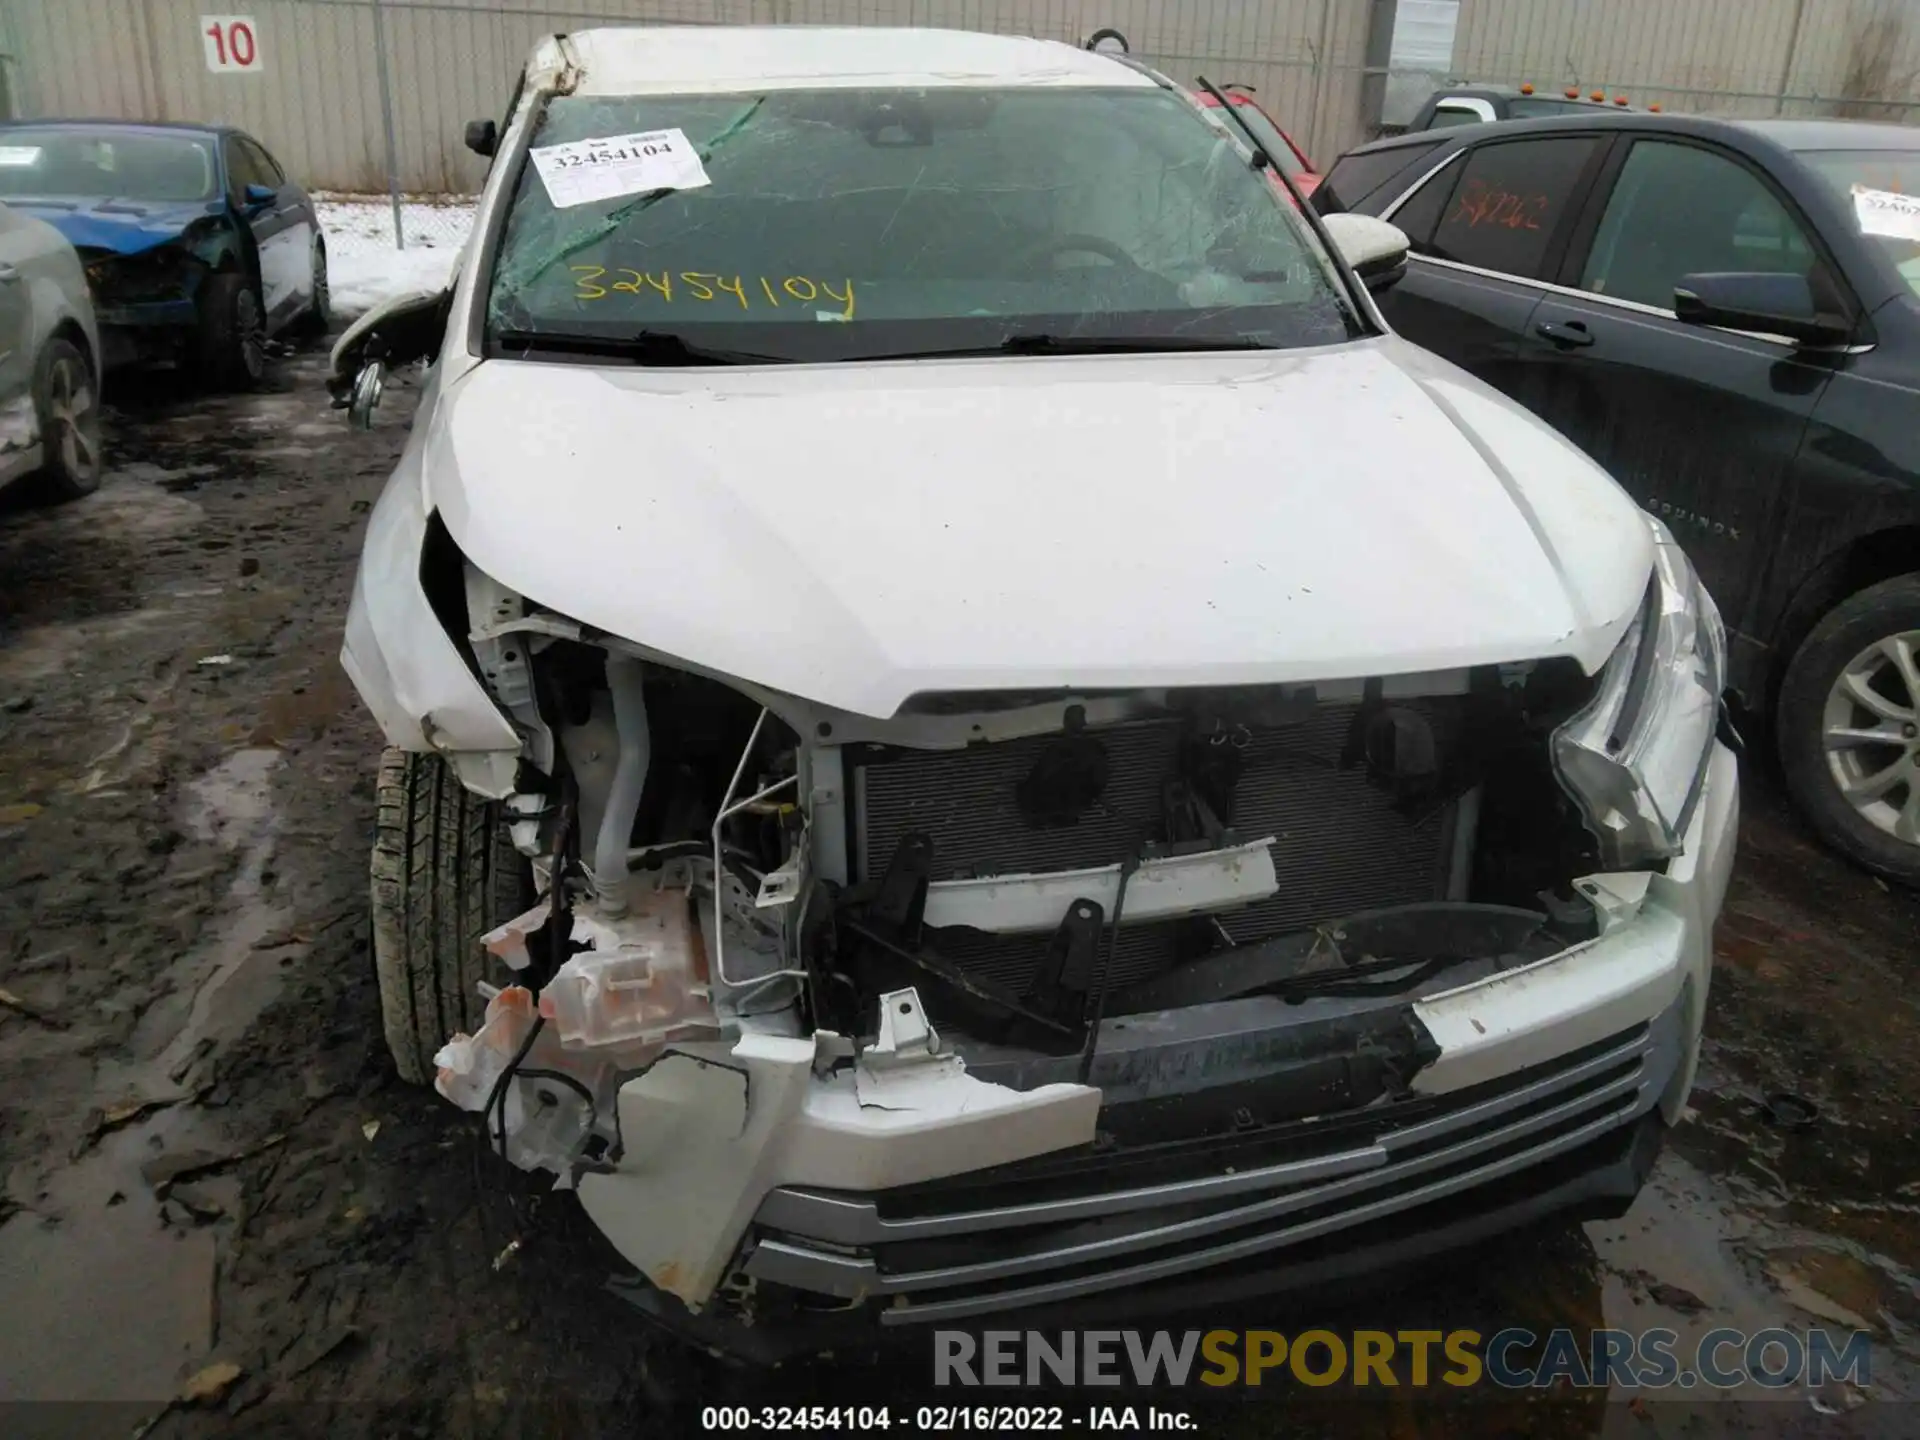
column 1725, row 315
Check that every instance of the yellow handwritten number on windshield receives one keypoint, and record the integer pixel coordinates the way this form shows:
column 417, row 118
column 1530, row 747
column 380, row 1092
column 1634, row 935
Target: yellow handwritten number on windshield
column 707, row 285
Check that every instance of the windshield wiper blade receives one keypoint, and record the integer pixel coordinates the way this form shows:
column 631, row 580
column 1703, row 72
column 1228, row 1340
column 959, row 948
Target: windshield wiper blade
column 1041, row 343
column 642, row 347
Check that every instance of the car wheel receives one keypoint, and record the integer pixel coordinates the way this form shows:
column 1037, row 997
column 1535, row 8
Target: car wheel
column 320, row 314
column 1849, row 723
column 444, row 873
column 66, row 397
column 233, row 332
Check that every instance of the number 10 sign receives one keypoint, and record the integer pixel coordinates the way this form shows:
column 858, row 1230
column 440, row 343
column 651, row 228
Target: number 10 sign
column 232, row 42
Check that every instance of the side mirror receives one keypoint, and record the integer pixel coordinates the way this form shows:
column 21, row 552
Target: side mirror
column 368, row 386
column 483, row 137
column 258, row 197
column 1373, row 249
column 400, row 331
column 1781, row 305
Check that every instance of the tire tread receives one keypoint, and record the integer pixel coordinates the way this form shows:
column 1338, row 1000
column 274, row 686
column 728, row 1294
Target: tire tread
column 443, row 872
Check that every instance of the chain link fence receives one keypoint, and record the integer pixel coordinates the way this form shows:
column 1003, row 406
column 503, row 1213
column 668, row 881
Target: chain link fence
column 382, row 245
column 398, row 222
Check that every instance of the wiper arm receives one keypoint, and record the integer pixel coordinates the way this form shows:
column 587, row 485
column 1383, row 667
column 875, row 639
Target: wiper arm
column 642, row 347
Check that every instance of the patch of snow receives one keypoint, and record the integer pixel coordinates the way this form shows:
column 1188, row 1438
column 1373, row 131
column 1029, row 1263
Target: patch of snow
column 365, row 267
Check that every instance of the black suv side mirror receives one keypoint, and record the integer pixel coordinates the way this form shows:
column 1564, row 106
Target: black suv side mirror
column 1771, row 304
column 483, row 137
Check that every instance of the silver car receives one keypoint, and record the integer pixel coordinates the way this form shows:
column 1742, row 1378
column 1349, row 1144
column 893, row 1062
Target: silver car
column 49, row 376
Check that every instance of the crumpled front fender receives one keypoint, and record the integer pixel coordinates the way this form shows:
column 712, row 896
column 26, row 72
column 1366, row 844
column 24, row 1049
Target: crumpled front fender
column 402, row 661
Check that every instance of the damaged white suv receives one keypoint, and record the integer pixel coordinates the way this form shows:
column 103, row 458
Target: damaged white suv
column 971, row 731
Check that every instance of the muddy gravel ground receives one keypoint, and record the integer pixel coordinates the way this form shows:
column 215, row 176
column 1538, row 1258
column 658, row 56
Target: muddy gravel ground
column 211, row 1179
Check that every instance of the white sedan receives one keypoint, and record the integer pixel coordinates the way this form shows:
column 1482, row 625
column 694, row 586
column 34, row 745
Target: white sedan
column 49, row 361
column 969, row 730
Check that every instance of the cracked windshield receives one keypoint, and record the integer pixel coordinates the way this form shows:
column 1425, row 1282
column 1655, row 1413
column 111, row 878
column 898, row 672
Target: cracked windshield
column 844, row 224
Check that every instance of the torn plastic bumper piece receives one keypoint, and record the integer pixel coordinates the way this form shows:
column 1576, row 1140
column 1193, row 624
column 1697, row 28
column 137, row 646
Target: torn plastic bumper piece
column 710, row 1128
column 544, row 1126
column 507, row 942
column 638, row 984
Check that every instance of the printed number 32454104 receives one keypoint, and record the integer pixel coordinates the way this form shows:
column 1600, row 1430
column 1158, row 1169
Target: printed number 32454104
column 608, row 154
column 592, row 282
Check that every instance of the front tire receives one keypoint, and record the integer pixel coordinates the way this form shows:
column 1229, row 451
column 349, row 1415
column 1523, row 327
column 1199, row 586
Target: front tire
column 66, row 397
column 1849, row 720
column 444, row 873
column 233, row 332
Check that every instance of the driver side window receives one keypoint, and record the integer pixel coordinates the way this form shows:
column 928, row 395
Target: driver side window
column 264, row 165
column 1681, row 210
column 241, row 171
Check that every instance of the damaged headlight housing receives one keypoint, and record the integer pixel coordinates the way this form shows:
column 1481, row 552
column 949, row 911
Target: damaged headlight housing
column 1635, row 759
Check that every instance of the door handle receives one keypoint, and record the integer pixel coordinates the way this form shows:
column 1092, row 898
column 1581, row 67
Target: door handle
column 8, row 274
column 1568, row 334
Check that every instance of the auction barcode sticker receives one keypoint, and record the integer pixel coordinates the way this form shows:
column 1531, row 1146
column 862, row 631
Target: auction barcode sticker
column 583, row 171
column 14, row 157
column 1886, row 212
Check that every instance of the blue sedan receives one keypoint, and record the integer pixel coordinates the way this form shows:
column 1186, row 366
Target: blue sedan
column 197, row 246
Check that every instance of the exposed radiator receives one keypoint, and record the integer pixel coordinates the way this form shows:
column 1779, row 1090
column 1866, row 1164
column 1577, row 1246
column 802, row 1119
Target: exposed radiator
column 1340, row 846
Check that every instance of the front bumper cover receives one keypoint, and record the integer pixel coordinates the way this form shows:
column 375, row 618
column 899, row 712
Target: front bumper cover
column 1547, row 1077
column 1596, row 1180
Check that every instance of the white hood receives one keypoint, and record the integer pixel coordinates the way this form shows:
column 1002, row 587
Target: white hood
column 855, row 534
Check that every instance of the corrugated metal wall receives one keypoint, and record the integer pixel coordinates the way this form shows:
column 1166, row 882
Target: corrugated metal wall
column 1727, row 57
column 316, row 100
